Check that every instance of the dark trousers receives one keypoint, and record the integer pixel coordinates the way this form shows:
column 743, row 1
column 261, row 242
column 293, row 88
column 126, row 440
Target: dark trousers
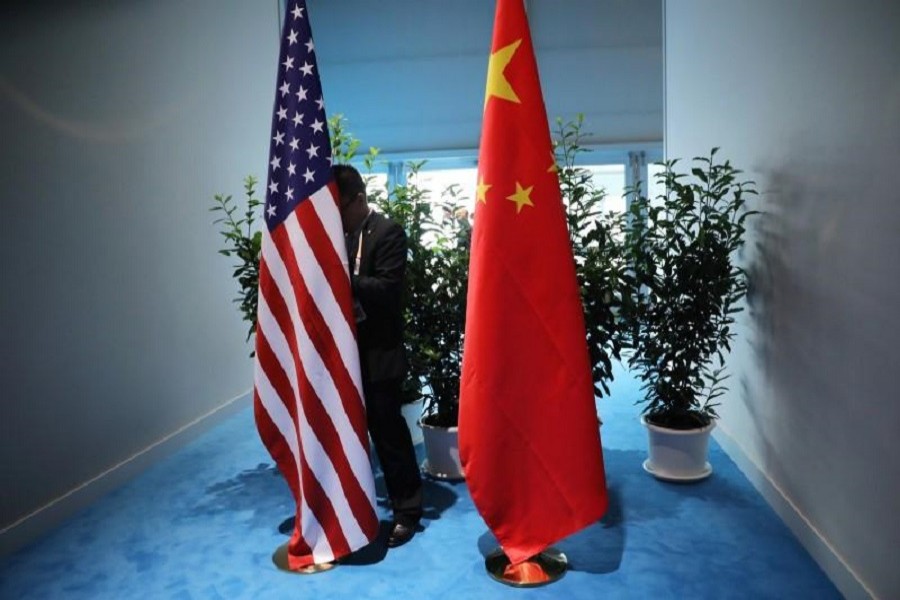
column 395, row 450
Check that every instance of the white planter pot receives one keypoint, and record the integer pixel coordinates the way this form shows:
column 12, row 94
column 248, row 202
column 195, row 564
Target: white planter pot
column 678, row 455
column 412, row 412
column 442, row 452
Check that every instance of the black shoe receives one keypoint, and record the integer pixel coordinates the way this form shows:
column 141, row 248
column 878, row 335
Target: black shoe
column 400, row 534
column 287, row 526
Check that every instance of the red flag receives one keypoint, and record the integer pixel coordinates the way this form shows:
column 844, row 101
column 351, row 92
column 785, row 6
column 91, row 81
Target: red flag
column 308, row 393
column 528, row 428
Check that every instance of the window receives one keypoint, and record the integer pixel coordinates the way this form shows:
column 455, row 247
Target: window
column 611, row 168
column 654, row 186
column 437, row 181
column 375, row 181
column 612, row 179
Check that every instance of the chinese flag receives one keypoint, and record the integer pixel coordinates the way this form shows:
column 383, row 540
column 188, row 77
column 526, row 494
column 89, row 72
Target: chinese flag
column 528, row 429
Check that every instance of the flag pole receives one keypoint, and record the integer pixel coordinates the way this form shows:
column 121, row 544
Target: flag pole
column 280, row 558
column 543, row 568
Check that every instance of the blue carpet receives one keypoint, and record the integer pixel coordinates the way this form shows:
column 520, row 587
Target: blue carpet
column 204, row 523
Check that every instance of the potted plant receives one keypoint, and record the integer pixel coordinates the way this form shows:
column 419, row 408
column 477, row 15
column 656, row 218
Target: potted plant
column 688, row 287
column 434, row 305
column 243, row 240
column 437, row 275
column 604, row 278
column 408, row 205
column 243, row 237
column 441, row 328
column 598, row 246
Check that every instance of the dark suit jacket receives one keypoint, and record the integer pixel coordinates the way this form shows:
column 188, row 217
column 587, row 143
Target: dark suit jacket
column 379, row 289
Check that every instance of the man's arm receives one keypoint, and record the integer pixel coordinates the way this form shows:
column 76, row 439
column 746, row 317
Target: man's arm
column 385, row 286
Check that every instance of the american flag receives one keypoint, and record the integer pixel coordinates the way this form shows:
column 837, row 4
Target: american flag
column 308, row 398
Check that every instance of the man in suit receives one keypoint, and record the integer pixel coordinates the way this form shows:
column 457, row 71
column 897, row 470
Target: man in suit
column 376, row 248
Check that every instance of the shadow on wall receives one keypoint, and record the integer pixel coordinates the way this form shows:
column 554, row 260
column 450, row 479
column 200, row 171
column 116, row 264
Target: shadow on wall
column 793, row 235
column 823, row 283
column 819, row 386
column 822, row 320
column 791, row 309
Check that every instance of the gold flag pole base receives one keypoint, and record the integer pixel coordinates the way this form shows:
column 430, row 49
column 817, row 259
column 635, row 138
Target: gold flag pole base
column 280, row 558
column 541, row 569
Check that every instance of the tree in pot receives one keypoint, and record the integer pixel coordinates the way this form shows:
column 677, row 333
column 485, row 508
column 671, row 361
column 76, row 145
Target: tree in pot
column 406, row 204
column 434, row 307
column 437, row 271
column 243, row 241
column 601, row 265
column 242, row 233
column 688, row 288
column 597, row 238
column 409, row 205
column 441, row 325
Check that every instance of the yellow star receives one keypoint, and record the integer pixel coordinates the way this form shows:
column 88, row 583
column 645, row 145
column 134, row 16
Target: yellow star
column 521, row 197
column 553, row 168
column 481, row 192
column 497, row 84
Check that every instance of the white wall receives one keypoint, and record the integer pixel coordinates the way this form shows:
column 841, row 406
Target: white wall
column 806, row 97
column 120, row 120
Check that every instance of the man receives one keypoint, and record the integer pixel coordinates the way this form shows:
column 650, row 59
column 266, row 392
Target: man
column 376, row 248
